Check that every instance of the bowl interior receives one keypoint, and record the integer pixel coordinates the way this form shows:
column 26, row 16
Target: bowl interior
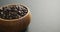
column 18, row 18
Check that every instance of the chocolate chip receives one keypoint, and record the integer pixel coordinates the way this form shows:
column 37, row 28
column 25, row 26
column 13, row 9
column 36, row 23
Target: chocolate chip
column 13, row 12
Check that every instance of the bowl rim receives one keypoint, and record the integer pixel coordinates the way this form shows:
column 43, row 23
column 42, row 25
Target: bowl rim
column 18, row 18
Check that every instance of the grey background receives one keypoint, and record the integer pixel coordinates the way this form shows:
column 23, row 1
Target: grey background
column 45, row 14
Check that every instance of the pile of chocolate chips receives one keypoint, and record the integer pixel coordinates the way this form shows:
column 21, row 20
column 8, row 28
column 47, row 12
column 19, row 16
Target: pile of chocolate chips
column 13, row 11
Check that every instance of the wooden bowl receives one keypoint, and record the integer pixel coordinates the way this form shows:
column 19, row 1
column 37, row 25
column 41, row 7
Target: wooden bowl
column 15, row 25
